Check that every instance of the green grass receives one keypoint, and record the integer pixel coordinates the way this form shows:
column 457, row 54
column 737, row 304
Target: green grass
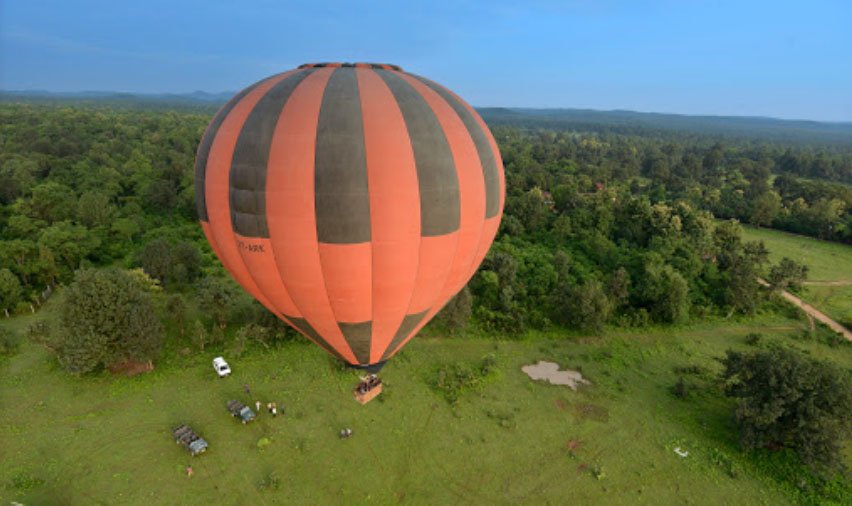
column 827, row 261
column 106, row 440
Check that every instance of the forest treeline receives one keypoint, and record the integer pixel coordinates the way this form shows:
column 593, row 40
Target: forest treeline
column 599, row 228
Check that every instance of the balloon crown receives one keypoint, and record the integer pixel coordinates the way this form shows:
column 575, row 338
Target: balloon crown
column 386, row 66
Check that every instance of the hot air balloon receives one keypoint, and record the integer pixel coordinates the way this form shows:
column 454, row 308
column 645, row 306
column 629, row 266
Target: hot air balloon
column 352, row 200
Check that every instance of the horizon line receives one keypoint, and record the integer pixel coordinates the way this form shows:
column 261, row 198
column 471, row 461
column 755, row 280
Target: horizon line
column 213, row 93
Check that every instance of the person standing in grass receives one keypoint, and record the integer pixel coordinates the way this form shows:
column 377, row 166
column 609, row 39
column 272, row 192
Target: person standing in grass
column 247, row 389
column 189, row 471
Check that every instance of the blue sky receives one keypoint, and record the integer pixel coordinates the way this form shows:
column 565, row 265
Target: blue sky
column 780, row 59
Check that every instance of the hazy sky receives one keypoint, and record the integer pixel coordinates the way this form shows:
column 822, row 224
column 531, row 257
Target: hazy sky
column 768, row 58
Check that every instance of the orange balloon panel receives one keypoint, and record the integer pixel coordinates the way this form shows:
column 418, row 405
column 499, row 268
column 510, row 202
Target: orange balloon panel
column 352, row 200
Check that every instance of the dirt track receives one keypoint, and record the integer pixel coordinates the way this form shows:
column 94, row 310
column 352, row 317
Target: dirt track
column 814, row 312
column 839, row 282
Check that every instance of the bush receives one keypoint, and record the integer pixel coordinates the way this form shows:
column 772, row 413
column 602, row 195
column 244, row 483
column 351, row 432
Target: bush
column 452, row 380
column 456, row 314
column 680, row 389
column 23, row 308
column 9, row 341
column 753, row 339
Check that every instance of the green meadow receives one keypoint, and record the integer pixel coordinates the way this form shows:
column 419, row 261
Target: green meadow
column 505, row 440
column 827, row 261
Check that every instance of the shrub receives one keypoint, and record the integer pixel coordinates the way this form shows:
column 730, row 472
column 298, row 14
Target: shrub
column 753, row 339
column 9, row 341
column 680, row 389
column 454, row 379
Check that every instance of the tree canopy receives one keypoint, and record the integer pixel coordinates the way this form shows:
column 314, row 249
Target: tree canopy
column 107, row 317
column 786, row 400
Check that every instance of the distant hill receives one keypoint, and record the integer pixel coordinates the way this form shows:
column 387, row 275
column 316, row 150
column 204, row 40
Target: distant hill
column 624, row 122
column 196, row 100
column 643, row 123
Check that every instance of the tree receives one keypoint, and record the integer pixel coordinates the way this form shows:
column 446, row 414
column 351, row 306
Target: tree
column 738, row 263
column 22, row 226
column 618, row 287
column 69, row 244
column 10, row 290
column 455, row 315
column 786, row 400
column 215, row 296
column 584, row 307
column 667, row 292
column 156, row 259
column 125, row 228
column 787, row 274
column 187, row 262
column 93, row 209
column 765, row 208
column 199, row 334
column 170, row 263
column 161, row 195
column 52, row 202
column 17, row 175
column 177, row 311
column 107, row 318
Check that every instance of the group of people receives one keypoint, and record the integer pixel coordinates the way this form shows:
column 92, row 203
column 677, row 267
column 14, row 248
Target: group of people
column 271, row 407
column 368, row 383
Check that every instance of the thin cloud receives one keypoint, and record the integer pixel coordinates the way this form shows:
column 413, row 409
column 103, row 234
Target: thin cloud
column 64, row 45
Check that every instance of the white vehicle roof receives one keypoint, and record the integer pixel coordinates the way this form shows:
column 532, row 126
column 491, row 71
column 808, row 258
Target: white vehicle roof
column 219, row 360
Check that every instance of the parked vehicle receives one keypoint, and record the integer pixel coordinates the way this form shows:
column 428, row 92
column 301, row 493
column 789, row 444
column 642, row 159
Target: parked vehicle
column 241, row 411
column 190, row 440
column 222, row 368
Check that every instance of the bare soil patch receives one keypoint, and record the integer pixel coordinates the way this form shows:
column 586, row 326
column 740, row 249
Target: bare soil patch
column 550, row 371
column 131, row 368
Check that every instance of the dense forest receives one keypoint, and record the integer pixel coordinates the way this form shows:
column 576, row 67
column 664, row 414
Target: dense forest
column 600, row 228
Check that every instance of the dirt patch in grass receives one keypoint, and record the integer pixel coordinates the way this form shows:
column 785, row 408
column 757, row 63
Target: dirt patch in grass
column 131, row 368
column 550, row 371
column 573, row 445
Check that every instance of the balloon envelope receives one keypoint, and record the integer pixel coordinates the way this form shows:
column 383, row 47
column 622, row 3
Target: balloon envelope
column 352, row 200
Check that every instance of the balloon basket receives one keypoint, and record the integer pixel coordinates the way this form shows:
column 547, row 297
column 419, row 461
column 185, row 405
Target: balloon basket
column 368, row 395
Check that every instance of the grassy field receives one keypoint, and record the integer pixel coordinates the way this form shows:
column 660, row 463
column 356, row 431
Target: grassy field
column 828, row 261
column 106, row 440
